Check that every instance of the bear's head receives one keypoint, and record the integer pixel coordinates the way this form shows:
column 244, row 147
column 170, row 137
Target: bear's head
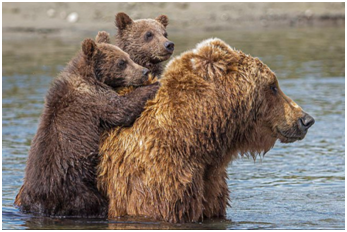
column 111, row 65
column 145, row 39
column 260, row 113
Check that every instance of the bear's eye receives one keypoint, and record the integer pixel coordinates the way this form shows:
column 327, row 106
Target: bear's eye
column 165, row 35
column 122, row 64
column 148, row 35
column 274, row 89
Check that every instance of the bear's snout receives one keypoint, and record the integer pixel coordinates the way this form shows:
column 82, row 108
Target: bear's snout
column 144, row 77
column 305, row 122
column 298, row 131
column 145, row 72
column 169, row 46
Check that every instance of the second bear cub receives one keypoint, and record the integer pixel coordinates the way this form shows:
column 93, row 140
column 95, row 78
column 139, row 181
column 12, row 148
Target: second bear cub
column 145, row 40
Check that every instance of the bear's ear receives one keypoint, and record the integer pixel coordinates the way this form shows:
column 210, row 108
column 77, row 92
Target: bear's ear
column 213, row 58
column 123, row 20
column 89, row 48
column 103, row 37
column 163, row 19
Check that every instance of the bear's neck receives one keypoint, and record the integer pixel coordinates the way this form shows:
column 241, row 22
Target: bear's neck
column 209, row 122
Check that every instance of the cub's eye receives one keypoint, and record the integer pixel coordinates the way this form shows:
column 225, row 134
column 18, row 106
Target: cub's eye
column 122, row 64
column 148, row 35
column 274, row 88
column 165, row 34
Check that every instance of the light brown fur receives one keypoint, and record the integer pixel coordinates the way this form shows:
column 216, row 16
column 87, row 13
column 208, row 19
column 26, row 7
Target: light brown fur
column 148, row 52
column 214, row 103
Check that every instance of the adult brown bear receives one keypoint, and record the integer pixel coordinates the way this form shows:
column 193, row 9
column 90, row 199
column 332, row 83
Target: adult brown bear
column 214, row 103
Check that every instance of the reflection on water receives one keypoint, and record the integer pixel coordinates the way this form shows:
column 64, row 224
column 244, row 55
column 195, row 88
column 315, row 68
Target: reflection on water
column 295, row 186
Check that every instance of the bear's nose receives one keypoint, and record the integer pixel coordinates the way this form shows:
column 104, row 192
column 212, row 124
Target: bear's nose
column 170, row 46
column 306, row 122
column 145, row 72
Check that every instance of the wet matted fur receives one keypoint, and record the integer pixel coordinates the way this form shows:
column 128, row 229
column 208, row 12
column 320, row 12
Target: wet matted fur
column 60, row 176
column 214, row 103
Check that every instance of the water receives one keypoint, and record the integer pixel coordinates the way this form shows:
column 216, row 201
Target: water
column 295, row 186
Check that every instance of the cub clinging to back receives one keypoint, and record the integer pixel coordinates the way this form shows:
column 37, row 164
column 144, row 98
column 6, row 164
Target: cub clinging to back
column 79, row 107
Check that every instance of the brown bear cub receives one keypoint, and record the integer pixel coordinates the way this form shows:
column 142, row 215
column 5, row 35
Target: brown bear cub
column 60, row 176
column 145, row 40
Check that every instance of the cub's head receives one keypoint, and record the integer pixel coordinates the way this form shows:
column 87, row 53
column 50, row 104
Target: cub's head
column 145, row 39
column 111, row 65
column 260, row 112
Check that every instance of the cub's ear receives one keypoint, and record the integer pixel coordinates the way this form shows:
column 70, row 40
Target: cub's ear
column 163, row 19
column 103, row 37
column 89, row 48
column 123, row 20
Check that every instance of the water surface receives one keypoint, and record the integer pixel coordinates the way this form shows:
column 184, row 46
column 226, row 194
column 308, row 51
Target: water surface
column 295, row 186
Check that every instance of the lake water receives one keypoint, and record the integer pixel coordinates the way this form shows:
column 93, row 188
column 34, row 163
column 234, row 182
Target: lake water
column 295, row 186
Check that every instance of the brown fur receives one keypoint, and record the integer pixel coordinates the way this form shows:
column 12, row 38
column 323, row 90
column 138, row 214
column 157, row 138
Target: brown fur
column 131, row 38
column 60, row 176
column 102, row 37
column 214, row 103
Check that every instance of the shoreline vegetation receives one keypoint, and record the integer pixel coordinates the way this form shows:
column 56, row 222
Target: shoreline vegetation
column 68, row 19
